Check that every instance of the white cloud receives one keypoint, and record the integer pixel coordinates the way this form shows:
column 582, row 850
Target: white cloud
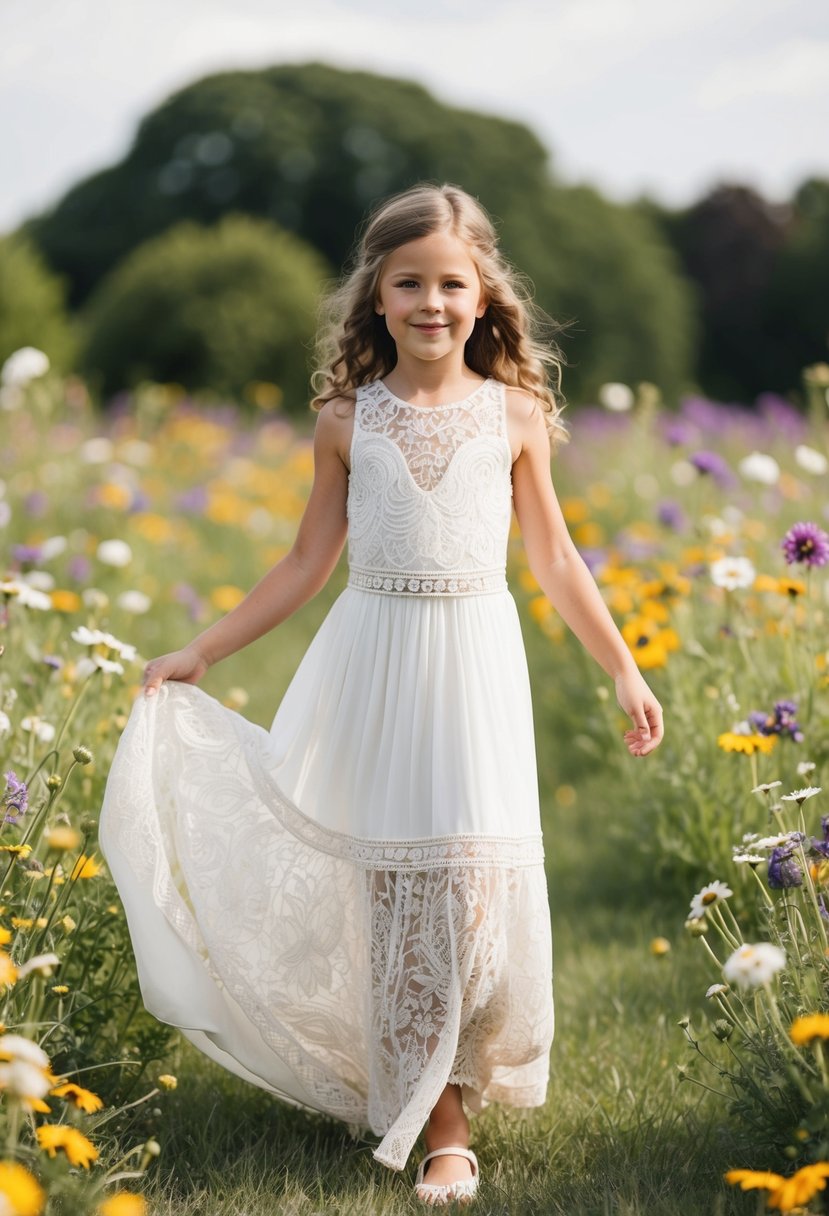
column 796, row 68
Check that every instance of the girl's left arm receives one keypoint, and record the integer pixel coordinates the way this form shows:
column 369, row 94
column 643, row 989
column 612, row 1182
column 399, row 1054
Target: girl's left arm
column 565, row 579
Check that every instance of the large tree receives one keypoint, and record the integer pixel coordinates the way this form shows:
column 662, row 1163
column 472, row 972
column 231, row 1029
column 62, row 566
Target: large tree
column 308, row 146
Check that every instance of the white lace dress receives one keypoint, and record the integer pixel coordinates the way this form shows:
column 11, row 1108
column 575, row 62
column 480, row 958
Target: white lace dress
column 350, row 909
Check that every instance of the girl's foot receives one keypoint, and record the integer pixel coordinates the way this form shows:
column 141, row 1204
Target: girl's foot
column 444, row 1170
column 438, row 1186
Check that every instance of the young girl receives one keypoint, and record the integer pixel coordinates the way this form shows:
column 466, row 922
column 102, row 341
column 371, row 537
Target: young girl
column 350, row 909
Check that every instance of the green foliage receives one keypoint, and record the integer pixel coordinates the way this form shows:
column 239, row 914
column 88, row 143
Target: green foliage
column 33, row 304
column 209, row 308
column 610, row 269
column 307, row 146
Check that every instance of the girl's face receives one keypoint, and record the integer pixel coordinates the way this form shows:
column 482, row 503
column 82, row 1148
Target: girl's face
column 430, row 294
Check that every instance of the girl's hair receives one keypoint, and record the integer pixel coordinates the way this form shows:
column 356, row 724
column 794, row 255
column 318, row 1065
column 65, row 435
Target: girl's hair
column 354, row 346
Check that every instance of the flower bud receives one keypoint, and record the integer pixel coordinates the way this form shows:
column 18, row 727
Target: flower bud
column 723, row 1029
column 54, row 781
column 697, row 925
column 82, row 754
column 684, row 1022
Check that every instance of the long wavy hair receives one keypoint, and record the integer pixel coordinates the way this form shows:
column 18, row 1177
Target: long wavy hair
column 513, row 341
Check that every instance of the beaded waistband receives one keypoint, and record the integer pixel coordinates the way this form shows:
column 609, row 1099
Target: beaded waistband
column 406, row 582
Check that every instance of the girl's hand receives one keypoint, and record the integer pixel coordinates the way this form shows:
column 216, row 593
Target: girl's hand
column 186, row 665
column 639, row 703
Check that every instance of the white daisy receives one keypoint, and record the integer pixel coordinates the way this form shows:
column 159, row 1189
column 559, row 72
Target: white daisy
column 758, row 466
column 616, row 397
column 754, row 964
column 732, row 573
column 114, row 552
column 716, row 989
column 710, row 895
column 800, row 796
column 748, row 858
column 810, row 459
column 805, row 767
column 764, row 788
column 44, row 731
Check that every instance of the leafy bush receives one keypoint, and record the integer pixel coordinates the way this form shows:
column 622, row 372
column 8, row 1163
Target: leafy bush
column 214, row 309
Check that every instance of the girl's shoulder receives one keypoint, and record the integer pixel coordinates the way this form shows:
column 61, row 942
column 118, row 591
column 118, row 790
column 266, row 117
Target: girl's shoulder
column 522, row 405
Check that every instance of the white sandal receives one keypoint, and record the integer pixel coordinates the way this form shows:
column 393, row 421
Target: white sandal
column 440, row 1194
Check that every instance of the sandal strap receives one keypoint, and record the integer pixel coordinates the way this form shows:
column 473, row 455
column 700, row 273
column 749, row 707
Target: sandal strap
column 455, row 1151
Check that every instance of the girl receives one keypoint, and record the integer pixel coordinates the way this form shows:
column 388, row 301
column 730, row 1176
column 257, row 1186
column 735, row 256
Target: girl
column 350, row 909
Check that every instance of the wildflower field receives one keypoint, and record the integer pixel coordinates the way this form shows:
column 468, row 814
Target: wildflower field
column 689, row 890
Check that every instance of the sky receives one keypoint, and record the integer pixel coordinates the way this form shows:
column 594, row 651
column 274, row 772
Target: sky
column 667, row 98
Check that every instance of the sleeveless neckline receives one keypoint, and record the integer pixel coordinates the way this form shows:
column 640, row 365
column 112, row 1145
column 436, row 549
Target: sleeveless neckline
column 448, row 405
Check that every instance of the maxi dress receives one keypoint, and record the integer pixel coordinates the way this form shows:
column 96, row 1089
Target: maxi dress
column 350, row 909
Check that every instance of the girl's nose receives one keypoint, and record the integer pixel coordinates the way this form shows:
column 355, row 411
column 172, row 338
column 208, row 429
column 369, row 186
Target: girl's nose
column 432, row 301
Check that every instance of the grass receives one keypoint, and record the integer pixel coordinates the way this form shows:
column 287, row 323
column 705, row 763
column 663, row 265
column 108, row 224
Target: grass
column 619, row 1133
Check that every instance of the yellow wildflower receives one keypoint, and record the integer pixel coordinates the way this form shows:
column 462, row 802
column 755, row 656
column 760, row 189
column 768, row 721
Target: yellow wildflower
column 225, row 597
column 111, row 494
column 22, row 922
column 152, row 527
column 8, row 971
column 785, row 1194
column 812, row 1026
column 729, row 741
column 21, row 1193
column 660, row 946
column 648, row 643
column 124, row 1203
column 84, row 1099
column 66, row 601
column 61, row 838
column 79, row 1150
column 5, row 935
column 589, row 534
column 17, row 850
column 168, row 1080
column 539, row 607
column 655, row 610
column 68, row 923
column 60, row 989
column 85, row 867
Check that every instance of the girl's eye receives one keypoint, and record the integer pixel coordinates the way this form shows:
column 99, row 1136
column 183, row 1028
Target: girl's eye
column 412, row 283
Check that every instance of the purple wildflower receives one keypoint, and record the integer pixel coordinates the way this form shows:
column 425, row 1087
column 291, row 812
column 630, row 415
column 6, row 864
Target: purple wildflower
column 806, row 543
column 195, row 500
column 80, row 568
column 824, row 911
column 780, row 722
column 822, row 846
column 715, row 466
column 679, row 431
column 36, row 503
column 784, row 871
column 27, row 555
column 54, row 661
column 15, row 798
column 671, row 515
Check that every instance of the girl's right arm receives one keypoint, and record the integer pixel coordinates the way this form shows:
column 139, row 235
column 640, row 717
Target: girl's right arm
column 292, row 581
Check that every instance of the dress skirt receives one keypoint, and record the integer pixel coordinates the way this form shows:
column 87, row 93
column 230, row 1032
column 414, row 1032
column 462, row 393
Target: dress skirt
column 350, row 910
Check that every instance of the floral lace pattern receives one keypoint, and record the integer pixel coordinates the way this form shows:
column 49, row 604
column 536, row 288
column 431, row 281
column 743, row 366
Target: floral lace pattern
column 430, row 489
column 375, row 971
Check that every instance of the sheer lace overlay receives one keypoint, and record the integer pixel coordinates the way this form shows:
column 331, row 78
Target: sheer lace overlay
column 373, row 972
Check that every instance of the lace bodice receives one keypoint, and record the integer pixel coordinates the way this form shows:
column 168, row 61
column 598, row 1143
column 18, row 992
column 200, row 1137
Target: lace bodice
column 429, row 493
